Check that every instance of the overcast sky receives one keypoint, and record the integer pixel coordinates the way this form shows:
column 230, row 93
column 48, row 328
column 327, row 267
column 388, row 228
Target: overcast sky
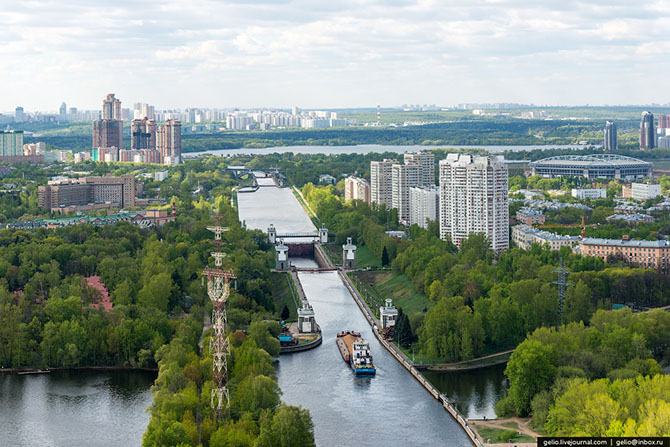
column 335, row 53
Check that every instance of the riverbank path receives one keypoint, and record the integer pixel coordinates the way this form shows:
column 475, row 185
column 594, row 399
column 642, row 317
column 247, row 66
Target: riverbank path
column 523, row 425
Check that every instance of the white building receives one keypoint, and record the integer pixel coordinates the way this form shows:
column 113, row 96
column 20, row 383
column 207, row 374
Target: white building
column 380, row 181
column 403, row 177
column 427, row 162
column 34, row 148
column 159, row 176
column 473, row 199
column 82, row 156
column 356, row 188
column 423, row 205
column 589, row 193
column 327, row 179
column 388, row 314
column 645, row 191
column 142, row 110
column 524, row 236
column 58, row 156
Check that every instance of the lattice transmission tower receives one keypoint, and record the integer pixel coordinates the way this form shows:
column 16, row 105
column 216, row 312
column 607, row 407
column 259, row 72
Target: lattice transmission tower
column 218, row 289
column 562, row 284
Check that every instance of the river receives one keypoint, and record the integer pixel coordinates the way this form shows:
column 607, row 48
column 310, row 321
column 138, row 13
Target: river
column 367, row 148
column 390, row 409
column 75, row 408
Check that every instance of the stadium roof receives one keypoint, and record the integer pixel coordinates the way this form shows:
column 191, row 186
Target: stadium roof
column 602, row 159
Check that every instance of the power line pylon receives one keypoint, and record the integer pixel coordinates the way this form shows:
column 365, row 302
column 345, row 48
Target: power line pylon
column 562, row 284
column 218, row 289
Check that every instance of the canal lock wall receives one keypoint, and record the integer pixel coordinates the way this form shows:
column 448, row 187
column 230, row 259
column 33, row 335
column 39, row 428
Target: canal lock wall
column 399, row 356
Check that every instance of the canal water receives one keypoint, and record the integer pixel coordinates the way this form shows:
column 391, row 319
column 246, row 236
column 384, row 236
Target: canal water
column 75, row 408
column 475, row 391
column 391, row 408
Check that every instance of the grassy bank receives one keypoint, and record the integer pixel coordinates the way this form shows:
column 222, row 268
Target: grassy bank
column 305, row 206
column 282, row 294
column 378, row 285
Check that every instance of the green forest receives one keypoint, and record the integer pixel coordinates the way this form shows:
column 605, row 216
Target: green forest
column 588, row 371
column 597, row 380
column 482, row 303
column 458, row 130
column 159, row 304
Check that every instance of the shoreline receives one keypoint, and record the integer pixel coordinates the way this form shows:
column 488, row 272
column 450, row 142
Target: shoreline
column 74, row 368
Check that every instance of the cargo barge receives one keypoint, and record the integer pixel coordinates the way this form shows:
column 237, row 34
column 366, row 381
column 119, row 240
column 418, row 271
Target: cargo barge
column 356, row 352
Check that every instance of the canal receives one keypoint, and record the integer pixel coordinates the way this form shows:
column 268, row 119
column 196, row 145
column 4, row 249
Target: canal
column 390, row 409
column 75, row 408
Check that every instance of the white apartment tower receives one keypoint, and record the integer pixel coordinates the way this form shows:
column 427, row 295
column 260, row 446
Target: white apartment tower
column 473, row 199
column 380, row 181
column 427, row 162
column 356, row 188
column 403, row 177
column 423, row 205
column 390, row 181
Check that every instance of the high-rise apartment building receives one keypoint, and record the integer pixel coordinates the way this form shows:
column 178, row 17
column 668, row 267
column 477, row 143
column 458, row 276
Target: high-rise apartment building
column 143, row 134
column 610, row 140
column 356, row 188
column 473, row 199
column 62, row 111
column 142, row 110
column 111, row 108
column 647, row 131
column 390, row 181
column 168, row 141
column 380, row 182
column 108, row 131
column 403, row 177
column 423, row 205
column 11, row 143
column 19, row 116
column 81, row 192
column 664, row 121
column 427, row 162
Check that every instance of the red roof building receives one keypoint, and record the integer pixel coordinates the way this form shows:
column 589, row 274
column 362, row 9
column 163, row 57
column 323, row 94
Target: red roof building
column 97, row 284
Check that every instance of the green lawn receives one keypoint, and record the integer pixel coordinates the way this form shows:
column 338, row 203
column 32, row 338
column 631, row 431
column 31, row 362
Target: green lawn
column 281, row 295
column 365, row 258
column 663, row 164
column 381, row 284
column 493, row 433
column 334, row 252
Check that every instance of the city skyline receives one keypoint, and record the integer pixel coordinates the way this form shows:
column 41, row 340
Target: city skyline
column 316, row 54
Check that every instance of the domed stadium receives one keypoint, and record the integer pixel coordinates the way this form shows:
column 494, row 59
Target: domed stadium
column 604, row 166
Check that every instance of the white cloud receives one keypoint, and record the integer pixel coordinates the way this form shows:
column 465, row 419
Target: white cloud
column 323, row 53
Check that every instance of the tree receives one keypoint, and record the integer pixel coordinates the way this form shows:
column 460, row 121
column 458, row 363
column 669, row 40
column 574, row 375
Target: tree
column 156, row 292
column 288, row 427
column 256, row 393
column 238, row 434
column 385, row 257
column 530, row 370
column 578, row 305
column 285, row 313
column 402, row 331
